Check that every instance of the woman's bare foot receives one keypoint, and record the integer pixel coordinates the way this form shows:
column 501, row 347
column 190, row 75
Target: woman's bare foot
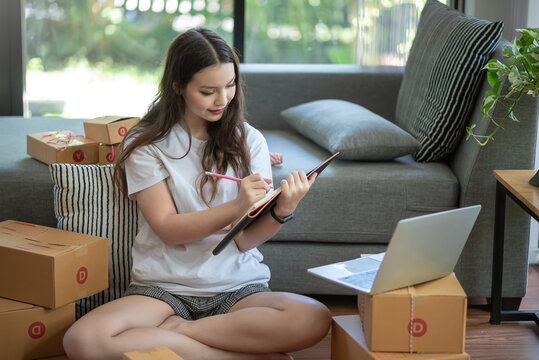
column 175, row 322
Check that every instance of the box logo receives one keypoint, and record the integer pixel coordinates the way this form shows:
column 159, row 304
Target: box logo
column 82, row 275
column 78, row 156
column 417, row 327
column 122, row 131
column 110, row 157
column 36, row 330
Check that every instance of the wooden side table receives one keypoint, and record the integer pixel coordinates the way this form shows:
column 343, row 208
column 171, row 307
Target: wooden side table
column 514, row 184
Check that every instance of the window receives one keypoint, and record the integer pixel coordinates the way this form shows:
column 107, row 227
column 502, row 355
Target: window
column 99, row 57
column 363, row 32
column 103, row 57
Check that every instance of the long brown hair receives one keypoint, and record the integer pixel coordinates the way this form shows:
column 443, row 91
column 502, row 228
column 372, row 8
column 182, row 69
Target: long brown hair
column 189, row 53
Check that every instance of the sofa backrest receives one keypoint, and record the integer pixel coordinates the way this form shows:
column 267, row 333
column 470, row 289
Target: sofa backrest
column 270, row 89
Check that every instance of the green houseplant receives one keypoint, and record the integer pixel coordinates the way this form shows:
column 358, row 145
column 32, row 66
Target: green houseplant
column 521, row 68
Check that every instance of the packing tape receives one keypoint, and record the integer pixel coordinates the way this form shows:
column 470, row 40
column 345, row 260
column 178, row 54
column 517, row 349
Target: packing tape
column 411, row 324
column 81, row 251
column 361, row 308
column 61, row 139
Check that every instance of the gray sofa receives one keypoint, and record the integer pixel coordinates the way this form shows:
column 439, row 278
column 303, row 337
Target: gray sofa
column 354, row 205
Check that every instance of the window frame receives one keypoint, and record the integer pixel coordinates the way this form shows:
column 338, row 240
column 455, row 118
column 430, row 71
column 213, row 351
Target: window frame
column 12, row 67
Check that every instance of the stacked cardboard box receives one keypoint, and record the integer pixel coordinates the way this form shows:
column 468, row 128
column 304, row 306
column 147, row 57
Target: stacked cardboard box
column 99, row 144
column 427, row 320
column 62, row 146
column 42, row 272
column 108, row 131
column 348, row 343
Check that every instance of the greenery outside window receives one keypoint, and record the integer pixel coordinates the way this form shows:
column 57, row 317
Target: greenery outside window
column 362, row 32
column 103, row 57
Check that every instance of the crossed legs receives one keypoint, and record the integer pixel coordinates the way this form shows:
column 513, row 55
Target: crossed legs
column 263, row 325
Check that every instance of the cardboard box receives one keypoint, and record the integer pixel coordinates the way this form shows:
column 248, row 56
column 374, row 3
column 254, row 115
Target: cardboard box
column 62, row 147
column 109, row 129
column 428, row 317
column 158, row 353
column 348, row 343
column 50, row 267
column 108, row 153
column 30, row 332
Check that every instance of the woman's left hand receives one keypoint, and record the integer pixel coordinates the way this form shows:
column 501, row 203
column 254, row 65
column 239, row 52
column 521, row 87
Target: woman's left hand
column 293, row 189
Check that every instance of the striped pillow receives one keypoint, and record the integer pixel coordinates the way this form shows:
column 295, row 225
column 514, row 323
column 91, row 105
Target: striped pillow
column 442, row 77
column 84, row 202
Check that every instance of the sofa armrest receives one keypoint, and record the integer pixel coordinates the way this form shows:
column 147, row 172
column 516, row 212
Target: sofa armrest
column 269, row 89
column 512, row 148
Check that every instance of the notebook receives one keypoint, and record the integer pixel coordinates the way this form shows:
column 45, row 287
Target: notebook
column 422, row 248
column 262, row 207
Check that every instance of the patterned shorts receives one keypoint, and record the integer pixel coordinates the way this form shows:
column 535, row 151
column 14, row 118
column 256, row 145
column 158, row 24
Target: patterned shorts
column 197, row 307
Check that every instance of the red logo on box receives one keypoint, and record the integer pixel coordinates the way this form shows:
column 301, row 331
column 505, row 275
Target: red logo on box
column 417, row 327
column 122, row 131
column 36, row 330
column 82, row 275
column 78, row 156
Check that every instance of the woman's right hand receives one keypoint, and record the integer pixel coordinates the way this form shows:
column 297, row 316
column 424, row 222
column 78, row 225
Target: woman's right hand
column 252, row 188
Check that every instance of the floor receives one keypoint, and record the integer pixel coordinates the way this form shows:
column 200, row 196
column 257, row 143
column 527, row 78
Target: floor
column 514, row 341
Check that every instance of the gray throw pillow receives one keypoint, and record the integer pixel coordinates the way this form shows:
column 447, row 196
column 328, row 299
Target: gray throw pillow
column 442, row 77
column 356, row 132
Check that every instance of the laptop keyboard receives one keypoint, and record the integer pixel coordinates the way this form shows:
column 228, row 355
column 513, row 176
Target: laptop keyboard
column 363, row 280
column 361, row 264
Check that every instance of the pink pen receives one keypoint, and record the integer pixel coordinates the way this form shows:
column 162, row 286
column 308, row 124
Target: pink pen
column 227, row 177
column 223, row 176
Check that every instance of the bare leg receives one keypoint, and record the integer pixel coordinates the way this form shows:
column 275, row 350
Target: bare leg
column 131, row 323
column 264, row 322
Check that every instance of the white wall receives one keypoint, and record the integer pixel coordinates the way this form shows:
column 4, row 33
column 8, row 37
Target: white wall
column 533, row 14
column 515, row 14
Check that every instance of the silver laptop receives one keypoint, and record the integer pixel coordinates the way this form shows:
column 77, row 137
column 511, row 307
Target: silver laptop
column 421, row 249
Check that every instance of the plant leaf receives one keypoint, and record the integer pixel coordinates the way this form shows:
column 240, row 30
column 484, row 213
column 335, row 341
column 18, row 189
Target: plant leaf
column 531, row 32
column 518, row 60
column 469, row 131
column 508, row 52
column 488, row 101
column 494, row 81
column 533, row 60
column 512, row 116
column 523, row 55
column 493, row 65
column 534, row 55
column 514, row 75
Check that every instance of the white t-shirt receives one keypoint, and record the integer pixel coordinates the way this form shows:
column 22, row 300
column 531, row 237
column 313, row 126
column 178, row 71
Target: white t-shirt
column 191, row 269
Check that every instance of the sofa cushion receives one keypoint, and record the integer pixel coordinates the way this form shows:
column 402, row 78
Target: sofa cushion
column 358, row 202
column 357, row 133
column 442, row 77
column 23, row 177
column 84, row 202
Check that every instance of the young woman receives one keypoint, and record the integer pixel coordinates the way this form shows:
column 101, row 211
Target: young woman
column 199, row 305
